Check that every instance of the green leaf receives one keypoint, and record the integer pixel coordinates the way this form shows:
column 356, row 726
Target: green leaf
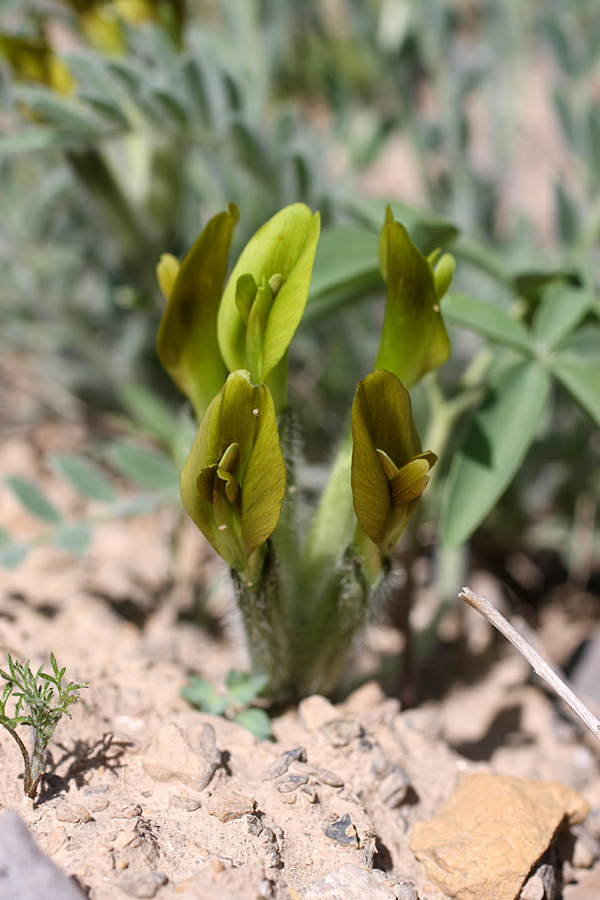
column 32, row 138
column 285, row 246
column 243, row 687
column 489, row 321
column 73, row 537
column 142, row 466
column 202, row 694
column 582, row 343
column 582, row 381
column 84, row 476
column 531, row 283
column 187, row 343
column 500, row 434
column 256, row 721
column 150, row 412
column 567, row 215
column 32, row 499
column 559, row 312
column 413, row 338
column 13, row 553
column 63, row 112
column 344, row 255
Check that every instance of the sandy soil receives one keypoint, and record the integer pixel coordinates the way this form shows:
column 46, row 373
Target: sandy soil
column 145, row 796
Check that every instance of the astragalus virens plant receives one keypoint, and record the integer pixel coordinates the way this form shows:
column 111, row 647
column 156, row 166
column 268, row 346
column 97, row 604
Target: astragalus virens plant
column 304, row 583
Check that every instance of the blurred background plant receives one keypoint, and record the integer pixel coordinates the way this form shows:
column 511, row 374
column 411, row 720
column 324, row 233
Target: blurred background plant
column 126, row 125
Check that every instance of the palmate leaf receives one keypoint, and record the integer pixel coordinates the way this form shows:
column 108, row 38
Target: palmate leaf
column 559, row 312
column 500, row 434
column 256, row 721
column 582, row 381
column 84, row 476
column 32, row 499
column 144, row 467
column 489, row 321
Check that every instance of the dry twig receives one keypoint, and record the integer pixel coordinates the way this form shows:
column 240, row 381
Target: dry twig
column 542, row 668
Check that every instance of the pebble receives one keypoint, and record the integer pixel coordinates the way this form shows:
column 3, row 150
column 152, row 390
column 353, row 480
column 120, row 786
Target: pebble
column 55, row 840
column 351, row 882
column 339, row 732
column 394, row 788
column 230, row 806
column 364, row 698
column 282, row 763
column 324, row 776
column 189, row 756
column 141, row 884
column 180, row 801
column 290, row 782
column 533, row 889
column 316, row 711
column 342, row 831
column 25, row 873
column 484, row 842
column 97, row 804
column 73, row 812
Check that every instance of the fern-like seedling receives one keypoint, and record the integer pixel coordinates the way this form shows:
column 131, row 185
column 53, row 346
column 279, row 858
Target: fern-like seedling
column 40, row 701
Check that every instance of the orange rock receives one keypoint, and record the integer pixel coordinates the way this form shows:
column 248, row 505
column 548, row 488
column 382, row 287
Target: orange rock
column 490, row 833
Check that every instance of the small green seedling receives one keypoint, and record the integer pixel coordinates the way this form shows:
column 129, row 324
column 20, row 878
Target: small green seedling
column 35, row 693
column 241, row 689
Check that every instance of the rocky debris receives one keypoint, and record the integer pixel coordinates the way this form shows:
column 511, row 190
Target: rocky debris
column 75, row 813
column 290, row 782
column 351, row 882
column 364, row 698
column 190, row 756
column 340, row 731
column 282, row 763
column 25, row 873
column 316, row 711
column 541, row 884
column 342, row 831
column 230, row 806
column 394, row 787
column 322, row 776
column 492, row 830
column 141, row 884
column 180, row 801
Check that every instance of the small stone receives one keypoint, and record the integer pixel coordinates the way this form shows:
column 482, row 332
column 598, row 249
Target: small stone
column 181, row 801
column 583, row 853
column 255, row 826
column 25, row 873
column 324, row 776
column 289, row 783
column 315, row 711
column 342, row 831
column 533, row 889
column 490, row 833
column 73, row 812
column 349, row 882
column 230, row 806
column 405, row 890
column 189, row 756
column 394, row 788
column 364, row 698
column 55, row 840
column 141, row 884
column 283, row 762
column 97, row 804
column 339, row 732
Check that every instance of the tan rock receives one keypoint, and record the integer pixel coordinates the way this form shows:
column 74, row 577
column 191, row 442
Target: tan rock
column 316, row 711
column 230, row 806
column 490, row 833
column 189, row 756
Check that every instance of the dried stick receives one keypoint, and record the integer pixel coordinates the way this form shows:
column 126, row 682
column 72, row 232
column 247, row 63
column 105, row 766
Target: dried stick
column 542, row 668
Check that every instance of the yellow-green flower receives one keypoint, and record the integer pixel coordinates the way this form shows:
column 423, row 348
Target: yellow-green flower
column 389, row 470
column 233, row 481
